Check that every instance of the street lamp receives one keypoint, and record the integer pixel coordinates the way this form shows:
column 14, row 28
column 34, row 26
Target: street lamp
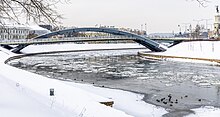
column 146, row 28
column 179, row 29
column 141, row 27
column 206, row 21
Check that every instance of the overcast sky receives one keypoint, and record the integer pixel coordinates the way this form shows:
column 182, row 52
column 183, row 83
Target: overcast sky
column 159, row 15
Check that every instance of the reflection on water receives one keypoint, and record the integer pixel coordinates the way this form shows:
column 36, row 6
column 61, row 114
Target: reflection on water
column 125, row 70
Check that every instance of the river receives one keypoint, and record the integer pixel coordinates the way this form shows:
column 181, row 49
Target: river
column 177, row 86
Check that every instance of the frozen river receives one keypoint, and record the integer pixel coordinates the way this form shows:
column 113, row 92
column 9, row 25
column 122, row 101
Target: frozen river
column 178, row 86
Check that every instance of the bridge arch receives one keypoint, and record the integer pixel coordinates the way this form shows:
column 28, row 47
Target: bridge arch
column 148, row 43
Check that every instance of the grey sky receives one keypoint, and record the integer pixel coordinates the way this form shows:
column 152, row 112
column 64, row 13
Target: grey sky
column 159, row 15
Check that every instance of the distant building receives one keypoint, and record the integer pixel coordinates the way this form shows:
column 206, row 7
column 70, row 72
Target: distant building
column 21, row 31
column 217, row 26
column 13, row 32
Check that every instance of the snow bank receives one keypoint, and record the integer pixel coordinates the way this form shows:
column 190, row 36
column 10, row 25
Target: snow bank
column 130, row 103
column 206, row 111
column 17, row 101
column 72, row 46
column 5, row 54
column 196, row 51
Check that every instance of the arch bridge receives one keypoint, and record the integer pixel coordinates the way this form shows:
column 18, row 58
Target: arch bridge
column 148, row 43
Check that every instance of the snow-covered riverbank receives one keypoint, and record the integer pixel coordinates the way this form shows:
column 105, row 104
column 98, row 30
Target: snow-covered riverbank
column 71, row 47
column 197, row 51
column 27, row 94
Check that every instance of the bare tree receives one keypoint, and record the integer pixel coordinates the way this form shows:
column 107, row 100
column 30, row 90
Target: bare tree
column 40, row 11
column 203, row 2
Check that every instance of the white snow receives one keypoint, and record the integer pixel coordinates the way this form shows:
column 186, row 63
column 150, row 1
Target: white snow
column 27, row 95
column 195, row 49
column 72, row 46
column 207, row 111
column 129, row 102
column 15, row 100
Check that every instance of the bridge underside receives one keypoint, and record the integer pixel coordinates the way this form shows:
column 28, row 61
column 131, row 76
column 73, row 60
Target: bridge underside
column 148, row 43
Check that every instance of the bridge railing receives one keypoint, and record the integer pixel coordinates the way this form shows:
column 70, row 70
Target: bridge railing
column 42, row 40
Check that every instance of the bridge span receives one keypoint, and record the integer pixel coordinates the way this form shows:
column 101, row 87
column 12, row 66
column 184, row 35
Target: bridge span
column 148, row 43
column 62, row 40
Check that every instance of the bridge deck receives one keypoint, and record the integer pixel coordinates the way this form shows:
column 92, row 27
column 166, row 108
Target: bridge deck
column 60, row 40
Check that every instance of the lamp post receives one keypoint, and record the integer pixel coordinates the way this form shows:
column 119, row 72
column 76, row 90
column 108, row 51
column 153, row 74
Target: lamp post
column 141, row 27
column 179, row 29
column 206, row 23
column 146, row 28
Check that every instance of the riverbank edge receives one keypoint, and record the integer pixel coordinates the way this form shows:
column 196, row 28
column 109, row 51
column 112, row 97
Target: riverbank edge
column 156, row 56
